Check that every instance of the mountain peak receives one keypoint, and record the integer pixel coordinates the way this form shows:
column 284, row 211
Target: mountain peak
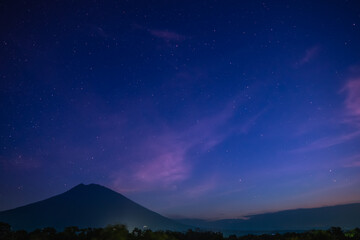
column 89, row 188
column 82, row 185
column 89, row 205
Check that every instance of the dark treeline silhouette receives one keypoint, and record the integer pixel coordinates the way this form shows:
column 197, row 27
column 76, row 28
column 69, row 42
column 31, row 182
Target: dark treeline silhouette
column 120, row 232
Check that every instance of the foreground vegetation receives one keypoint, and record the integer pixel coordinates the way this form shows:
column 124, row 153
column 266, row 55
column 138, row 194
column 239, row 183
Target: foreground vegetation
column 120, row 232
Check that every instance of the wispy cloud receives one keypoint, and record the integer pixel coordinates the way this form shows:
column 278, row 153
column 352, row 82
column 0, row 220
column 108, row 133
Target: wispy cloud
column 352, row 101
column 164, row 34
column 167, row 35
column 163, row 159
column 20, row 162
column 350, row 116
column 202, row 188
column 353, row 161
column 327, row 142
column 165, row 164
column 310, row 54
column 354, row 164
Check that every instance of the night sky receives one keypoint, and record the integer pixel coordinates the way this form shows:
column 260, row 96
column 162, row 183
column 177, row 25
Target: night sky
column 207, row 109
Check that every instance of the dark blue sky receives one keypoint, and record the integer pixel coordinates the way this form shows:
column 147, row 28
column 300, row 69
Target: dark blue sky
column 208, row 109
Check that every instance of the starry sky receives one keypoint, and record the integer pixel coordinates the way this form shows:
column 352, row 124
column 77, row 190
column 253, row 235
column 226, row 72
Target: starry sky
column 196, row 109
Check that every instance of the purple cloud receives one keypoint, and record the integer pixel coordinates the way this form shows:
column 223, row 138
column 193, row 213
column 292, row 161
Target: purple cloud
column 351, row 117
column 202, row 188
column 21, row 162
column 328, row 142
column 167, row 35
column 353, row 161
column 310, row 54
column 352, row 101
column 166, row 163
column 163, row 160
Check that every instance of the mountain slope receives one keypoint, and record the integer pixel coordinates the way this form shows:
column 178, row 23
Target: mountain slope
column 86, row 206
column 345, row 216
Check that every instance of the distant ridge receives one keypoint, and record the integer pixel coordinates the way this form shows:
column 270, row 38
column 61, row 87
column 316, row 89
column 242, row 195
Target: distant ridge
column 346, row 216
column 87, row 206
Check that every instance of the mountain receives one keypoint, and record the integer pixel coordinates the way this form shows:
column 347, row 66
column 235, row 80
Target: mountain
column 97, row 206
column 87, row 206
column 345, row 216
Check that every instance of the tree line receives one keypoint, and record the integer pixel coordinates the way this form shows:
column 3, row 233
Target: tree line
column 120, row 232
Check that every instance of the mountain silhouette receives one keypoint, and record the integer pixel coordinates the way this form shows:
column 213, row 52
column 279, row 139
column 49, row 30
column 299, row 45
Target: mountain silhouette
column 87, row 206
column 97, row 206
column 346, row 216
